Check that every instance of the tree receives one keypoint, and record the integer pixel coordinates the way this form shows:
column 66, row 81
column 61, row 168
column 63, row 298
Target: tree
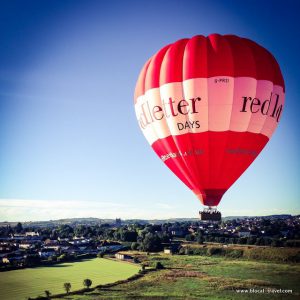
column 159, row 266
column 199, row 238
column 48, row 294
column 65, row 231
column 189, row 237
column 129, row 236
column 101, row 254
column 134, row 246
column 151, row 242
column 67, row 287
column 32, row 260
column 251, row 240
column 260, row 242
column 87, row 283
column 276, row 243
column 18, row 228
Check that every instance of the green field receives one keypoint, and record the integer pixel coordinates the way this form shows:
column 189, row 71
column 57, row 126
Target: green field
column 21, row 284
column 202, row 277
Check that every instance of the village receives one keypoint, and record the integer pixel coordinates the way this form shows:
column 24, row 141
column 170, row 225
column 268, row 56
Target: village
column 25, row 246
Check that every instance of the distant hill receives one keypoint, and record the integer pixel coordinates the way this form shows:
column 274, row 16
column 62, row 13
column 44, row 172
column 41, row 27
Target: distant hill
column 283, row 216
column 98, row 221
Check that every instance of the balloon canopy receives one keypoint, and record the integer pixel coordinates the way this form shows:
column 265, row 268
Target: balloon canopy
column 208, row 106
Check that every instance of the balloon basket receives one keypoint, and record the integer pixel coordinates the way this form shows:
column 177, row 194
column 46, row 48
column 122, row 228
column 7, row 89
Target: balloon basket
column 210, row 214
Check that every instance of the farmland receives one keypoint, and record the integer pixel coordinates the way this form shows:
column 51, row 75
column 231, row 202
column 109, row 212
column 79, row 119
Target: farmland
column 203, row 277
column 21, row 284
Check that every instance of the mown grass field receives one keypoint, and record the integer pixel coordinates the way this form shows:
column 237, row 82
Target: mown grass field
column 202, row 277
column 21, row 284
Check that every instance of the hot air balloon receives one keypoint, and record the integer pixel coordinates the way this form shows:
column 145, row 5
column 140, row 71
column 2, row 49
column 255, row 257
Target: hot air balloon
column 208, row 106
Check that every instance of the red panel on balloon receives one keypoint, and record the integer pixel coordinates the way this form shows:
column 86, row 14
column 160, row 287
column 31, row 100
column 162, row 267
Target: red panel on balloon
column 210, row 162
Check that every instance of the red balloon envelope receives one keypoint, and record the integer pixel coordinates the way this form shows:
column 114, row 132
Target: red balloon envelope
column 208, row 106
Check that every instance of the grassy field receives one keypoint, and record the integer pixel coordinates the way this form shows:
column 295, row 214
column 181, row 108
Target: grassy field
column 21, row 284
column 200, row 277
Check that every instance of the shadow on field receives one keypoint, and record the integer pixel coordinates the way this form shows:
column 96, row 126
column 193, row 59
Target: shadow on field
column 59, row 266
column 65, row 264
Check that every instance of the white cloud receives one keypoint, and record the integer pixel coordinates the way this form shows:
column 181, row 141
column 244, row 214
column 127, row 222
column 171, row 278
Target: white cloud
column 42, row 210
column 24, row 210
column 36, row 210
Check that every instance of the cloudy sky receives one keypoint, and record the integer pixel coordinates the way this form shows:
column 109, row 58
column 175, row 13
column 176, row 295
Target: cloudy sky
column 70, row 142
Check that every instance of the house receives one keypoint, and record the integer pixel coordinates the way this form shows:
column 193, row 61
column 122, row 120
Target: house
column 17, row 235
column 52, row 244
column 28, row 244
column 90, row 250
column 193, row 229
column 7, row 247
column 12, row 258
column 177, row 231
column 244, row 233
column 63, row 239
column 110, row 248
column 171, row 248
column 80, row 241
column 123, row 256
column 72, row 250
column 45, row 253
column 168, row 251
column 64, row 245
column 31, row 233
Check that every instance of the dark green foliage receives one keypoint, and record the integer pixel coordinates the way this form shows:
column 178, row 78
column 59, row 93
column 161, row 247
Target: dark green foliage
column 215, row 251
column 159, row 266
column 234, row 253
column 48, row 294
column 134, row 246
column 273, row 254
column 32, row 260
column 87, row 282
column 67, row 287
column 292, row 243
column 151, row 242
column 189, row 237
column 18, row 228
column 65, row 231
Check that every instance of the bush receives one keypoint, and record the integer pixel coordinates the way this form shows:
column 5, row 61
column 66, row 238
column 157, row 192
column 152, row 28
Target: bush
column 292, row 243
column 189, row 237
column 188, row 251
column 181, row 251
column 234, row 253
column 62, row 257
column 134, row 246
column 255, row 253
column 200, row 251
column 273, row 254
column 52, row 258
column 159, row 266
column 215, row 251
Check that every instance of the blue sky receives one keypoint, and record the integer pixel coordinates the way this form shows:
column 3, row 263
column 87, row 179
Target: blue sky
column 70, row 142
